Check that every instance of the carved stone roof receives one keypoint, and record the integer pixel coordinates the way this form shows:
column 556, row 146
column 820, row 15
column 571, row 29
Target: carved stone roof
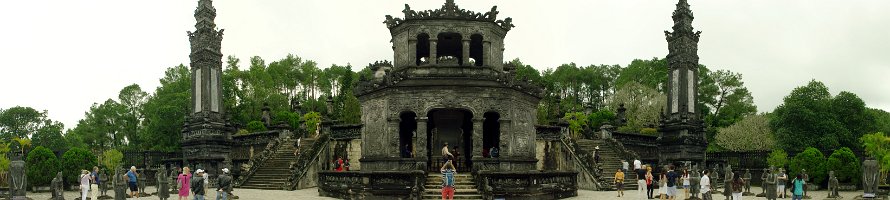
column 449, row 10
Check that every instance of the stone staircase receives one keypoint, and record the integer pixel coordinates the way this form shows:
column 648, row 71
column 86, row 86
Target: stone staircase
column 464, row 186
column 273, row 173
column 610, row 163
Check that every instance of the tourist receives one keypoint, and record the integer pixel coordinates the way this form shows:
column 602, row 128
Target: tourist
column 448, row 172
column 672, row 177
column 596, row 154
column 485, row 153
column 94, row 188
column 619, row 182
column 495, row 152
column 638, row 164
column 705, row 185
column 223, row 185
column 406, row 151
column 662, row 185
column 206, row 178
column 797, row 186
column 197, row 185
column 339, row 163
column 624, row 165
column 346, row 165
column 649, row 180
column 685, row 178
column 641, row 182
column 737, row 185
column 184, row 181
column 85, row 179
column 446, row 155
column 131, row 180
column 296, row 146
column 780, row 185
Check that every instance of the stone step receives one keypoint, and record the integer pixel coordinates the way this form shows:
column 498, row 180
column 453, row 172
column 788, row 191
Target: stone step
column 462, row 196
column 456, row 191
column 439, row 186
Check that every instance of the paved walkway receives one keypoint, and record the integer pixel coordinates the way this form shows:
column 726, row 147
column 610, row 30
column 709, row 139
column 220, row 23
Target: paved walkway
column 312, row 194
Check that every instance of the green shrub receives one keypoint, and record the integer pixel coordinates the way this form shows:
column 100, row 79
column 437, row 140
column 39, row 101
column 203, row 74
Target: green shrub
column 845, row 165
column 292, row 119
column 112, row 159
column 813, row 161
column 42, row 166
column 311, row 119
column 74, row 160
column 256, row 126
column 4, row 161
column 649, row 131
column 777, row 158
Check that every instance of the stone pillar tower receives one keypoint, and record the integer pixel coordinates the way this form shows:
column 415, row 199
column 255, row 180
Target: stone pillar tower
column 206, row 137
column 681, row 125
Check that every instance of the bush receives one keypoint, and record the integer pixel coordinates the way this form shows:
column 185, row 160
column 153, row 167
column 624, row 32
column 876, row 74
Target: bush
column 74, row 160
column 649, row 131
column 311, row 119
column 256, row 126
column 813, row 161
column 777, row 158
column 4, row 161
column 42, row 166
column 845, row 165
column 290, row 118
column 112, row 159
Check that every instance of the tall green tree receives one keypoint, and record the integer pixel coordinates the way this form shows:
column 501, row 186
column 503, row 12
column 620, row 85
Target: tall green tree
column 131, row 99
column 753, row 133
column 21, row 122
column 643, row 105
column 166, row 109
column 50, row 136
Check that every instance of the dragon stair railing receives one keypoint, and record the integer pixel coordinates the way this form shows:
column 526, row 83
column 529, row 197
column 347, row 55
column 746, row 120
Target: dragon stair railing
column 305, row 160
column 254, row 163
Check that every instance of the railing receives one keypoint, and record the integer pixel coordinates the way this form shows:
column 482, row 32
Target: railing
column 305, row 160
column 529, row 184
column 347, row 131
column 587, row 165
column 358, row 184
column 142, row 159
column 254, row 162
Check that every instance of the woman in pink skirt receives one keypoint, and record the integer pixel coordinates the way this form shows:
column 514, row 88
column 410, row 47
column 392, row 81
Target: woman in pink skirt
column 184, row 180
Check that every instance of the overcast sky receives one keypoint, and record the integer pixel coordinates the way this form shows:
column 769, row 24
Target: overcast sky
column 63, row 55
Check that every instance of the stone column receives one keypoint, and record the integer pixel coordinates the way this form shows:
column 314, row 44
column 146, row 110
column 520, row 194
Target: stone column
column 433, row 45
column 486, row 53
column 477, row 137
column 412, row 52
column 393, row 133
column 465, row 56
column 420, row 146
column 506, row 127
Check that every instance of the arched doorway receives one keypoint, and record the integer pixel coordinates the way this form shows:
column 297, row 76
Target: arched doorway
column 407, row 128
column 491, row 133
column 454, row 127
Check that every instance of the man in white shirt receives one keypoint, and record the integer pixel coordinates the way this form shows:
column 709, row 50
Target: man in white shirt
column 624, row 165
column 705, row 186
column 446, row 155
column 637, row 164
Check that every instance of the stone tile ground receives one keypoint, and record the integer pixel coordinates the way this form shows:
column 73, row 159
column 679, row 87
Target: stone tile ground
column 312, row 194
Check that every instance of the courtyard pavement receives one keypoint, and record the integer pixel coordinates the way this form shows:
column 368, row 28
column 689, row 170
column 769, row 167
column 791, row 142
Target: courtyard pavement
column 312, row 194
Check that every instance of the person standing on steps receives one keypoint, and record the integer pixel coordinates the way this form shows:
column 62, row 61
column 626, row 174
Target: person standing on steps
column 641, row 182
column 446, row 155
column 619, row 182
column 596, row 155
column 448, row 172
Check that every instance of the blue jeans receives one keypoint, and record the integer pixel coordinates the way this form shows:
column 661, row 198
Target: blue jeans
column 222, row 195
column 796, row 197
column 199, row 197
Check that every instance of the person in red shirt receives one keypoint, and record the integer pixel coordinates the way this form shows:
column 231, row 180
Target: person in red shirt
column 339, row 163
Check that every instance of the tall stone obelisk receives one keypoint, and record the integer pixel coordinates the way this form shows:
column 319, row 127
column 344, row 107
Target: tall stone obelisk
column 206, row 137
column 681, row 124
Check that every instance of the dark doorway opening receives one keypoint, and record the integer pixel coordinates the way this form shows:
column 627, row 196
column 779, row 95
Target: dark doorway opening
column 452, row 126
column 422, row 52
column 407, row 130
column 450, row 44
column 476, row 49
column 491, row 133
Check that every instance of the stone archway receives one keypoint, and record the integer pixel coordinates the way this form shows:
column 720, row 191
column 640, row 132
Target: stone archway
column 454, row 127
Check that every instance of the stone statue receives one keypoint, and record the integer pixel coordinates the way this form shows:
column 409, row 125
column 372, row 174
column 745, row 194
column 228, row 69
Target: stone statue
column 120, row 186
column 295, row 106
column 620, row 118
column 716, row 174
column 771, row 181
column 747, row 178
column 763, row 177
column 103, row 183
column 727, row 182
column 832, row 186
column 267, row 115
column 163, row 185
column 870, row 178
column 174, row 174
column 806, row 180
column 694, row 181
column 57, row 187
column 142, row 181
column 17, row 178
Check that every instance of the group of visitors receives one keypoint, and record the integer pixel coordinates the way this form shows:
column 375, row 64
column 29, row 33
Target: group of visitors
column 197, row 184
column 340, row 164
column 89, row 183
column 670, row 180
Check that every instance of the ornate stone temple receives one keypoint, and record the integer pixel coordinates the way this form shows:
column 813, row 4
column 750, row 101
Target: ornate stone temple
column 681, row 124
column 206, row 136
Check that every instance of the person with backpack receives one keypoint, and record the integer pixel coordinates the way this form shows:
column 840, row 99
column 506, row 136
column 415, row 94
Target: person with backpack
column 672, row 177
column 649, row 180
column 737, row 185
column 797, row 187
column 448, row 172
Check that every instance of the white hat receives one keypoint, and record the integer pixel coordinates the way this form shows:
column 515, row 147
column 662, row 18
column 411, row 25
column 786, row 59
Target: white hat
column 199, row 171
column 225, row 170
column 597, row 147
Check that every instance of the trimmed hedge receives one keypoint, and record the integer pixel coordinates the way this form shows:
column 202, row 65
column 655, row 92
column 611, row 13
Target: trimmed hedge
column 813, row 161
column 42, row 166
column 74, row 160
column 256, row 126
column 845, row 165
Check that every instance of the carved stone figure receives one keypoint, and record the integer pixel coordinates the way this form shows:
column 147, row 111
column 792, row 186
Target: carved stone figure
column 295, row 106
column 694, row 181
column 163, row 185
column 869, row 178
column 142, row 180
column 771, row 181
column 806, row 180
column 103, row 183
column 17, row 178
column 267, row 115
column 763, row 177
column 747, row 178
column 57, row 187
column 832, row 186
column 120, row 186
column 727, row 182
column 716, row 180
column 620, row 118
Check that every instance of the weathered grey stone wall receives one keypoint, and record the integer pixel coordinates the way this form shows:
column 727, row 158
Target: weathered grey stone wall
column 405, row 37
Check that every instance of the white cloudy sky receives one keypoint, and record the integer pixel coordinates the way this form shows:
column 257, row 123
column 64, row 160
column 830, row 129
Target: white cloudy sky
column 62, row 55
